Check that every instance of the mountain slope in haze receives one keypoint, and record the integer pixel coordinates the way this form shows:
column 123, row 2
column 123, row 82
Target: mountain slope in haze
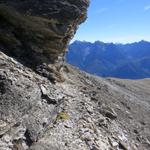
column 133, row 69
column 108, row 59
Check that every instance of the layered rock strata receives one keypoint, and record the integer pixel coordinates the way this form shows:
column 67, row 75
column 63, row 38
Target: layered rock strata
column 37, row 32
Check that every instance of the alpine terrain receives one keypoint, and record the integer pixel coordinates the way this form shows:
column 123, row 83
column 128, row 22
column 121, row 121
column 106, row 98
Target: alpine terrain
column 47, row 104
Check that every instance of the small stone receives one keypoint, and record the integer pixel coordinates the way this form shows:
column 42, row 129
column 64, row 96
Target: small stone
column 123, row 145
column 103, row 122
column 43, row 90
column 90, row 109
column 94, row 99
column 68, row 124
column 2, row 124
column 110, row 113
column 87, row 136
column 114, row 144
column 6, row 138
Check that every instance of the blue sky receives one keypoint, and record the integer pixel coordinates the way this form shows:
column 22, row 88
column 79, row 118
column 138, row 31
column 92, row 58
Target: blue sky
column 119, row 21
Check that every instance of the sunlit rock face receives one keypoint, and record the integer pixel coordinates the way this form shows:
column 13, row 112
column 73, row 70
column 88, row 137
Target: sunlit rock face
column 38, row 31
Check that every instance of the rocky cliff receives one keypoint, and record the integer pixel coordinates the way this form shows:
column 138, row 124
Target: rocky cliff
column 37, row 32
column 83, row 112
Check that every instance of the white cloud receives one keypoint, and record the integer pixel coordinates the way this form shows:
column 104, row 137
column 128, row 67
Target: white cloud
column 146, row 8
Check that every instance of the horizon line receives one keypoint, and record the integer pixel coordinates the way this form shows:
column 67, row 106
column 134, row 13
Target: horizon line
column 109, row 42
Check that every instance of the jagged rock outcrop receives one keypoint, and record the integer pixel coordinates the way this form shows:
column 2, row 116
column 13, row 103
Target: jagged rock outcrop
column 37, row 32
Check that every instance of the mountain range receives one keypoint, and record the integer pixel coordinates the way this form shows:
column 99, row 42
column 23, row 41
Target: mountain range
column 128, row 61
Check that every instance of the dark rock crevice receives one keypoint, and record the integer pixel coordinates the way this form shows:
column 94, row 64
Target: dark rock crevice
column 28, row 139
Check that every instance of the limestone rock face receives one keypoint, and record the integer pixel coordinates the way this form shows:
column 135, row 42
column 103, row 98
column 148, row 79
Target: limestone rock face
column 36, row 31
